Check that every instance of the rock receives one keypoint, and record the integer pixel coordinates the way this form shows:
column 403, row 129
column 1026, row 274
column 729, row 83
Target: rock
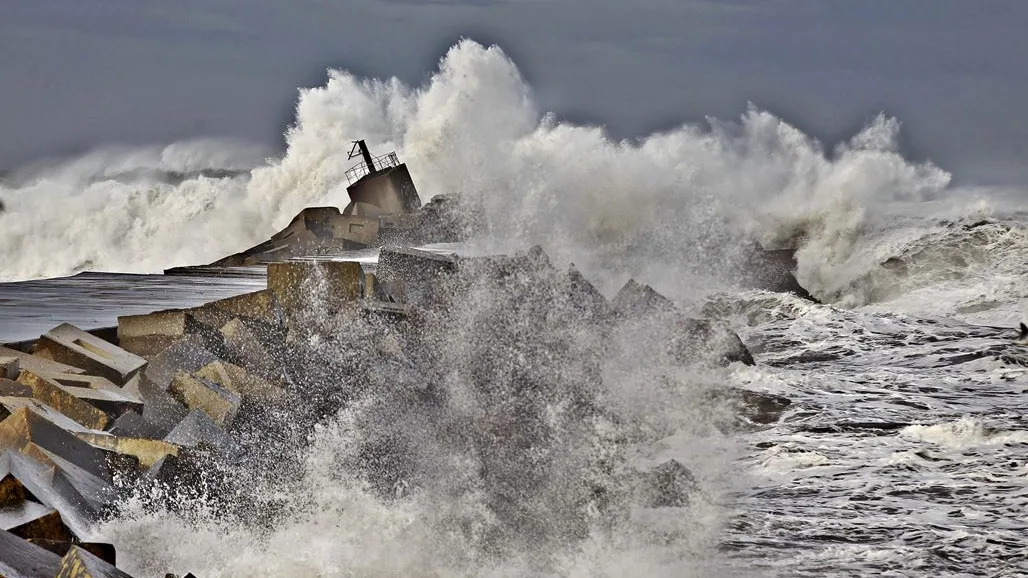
column 206, row 396
column 413, row 276
column 754, row 407
column 697, row 339
column 36, row 363
column 669, row 485
column 299, row 285
column 772, row 270
column 20, row 559
column 52, row 394
column 637, row 300
column 69, row 344
column 584, row 297
column 689, row 340
column 79, row 563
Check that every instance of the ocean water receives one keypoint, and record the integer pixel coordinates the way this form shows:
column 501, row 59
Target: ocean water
column 904, row 452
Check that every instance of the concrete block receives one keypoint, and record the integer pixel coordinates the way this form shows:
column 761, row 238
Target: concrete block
column 146, row 451
column 131, row 424
column 162, row 411
column 37, row 363
column 31, row 519
column 413, row 276
column 259, row 305
column 244, row 345
column 20, row 559
column 69, row 344
column 98, row 392
column 12, row 492
column 79, row 563
column 188, row 355
column 13, row 404
column 200, row 394
column 26, row 431
column 238, row 380
column 25, row 478
column 91, row 488
column 10, row 388
column 298, row 284
column 9, row 367
column 52, row 394
column 112, row 403
column 105, row 552
column 80, row 380
column 199, row 430
column 149, row 334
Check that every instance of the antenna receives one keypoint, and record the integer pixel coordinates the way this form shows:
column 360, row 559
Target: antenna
column 358, row 145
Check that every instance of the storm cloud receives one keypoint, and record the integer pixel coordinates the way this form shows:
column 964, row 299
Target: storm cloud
column 76, row 74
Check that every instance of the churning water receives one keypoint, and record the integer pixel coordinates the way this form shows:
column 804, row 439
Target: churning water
column 904, row 452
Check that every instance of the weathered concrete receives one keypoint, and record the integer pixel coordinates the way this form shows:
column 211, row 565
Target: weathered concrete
column 160, row 409
column 9, row 367
column 36, row 363
column 13, row 404
column 98, row 392
column 199, row 430
column 132, row 425
column 26, row 478
column 24, row 430
column 52, row 394
column 189, row 354
column 20, row 559
column 105, row 552
column 31, row 519
column 149, row 334
column 244, row 345
column 146, row 451
column 206, row 396
column 79, row 563
column 328, row 284
column 236, row 379
column 69, row 344
column 257, row 305
column 10, row 388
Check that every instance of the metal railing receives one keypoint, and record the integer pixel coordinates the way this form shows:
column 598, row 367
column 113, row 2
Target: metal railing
column 360, row 170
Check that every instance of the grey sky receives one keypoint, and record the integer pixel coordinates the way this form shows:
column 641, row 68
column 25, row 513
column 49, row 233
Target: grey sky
column 81, row 73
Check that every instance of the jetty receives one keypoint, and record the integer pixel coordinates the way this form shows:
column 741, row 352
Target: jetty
column 129, row 382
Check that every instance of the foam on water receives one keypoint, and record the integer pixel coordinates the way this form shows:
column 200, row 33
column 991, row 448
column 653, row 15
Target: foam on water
column 666, row 208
